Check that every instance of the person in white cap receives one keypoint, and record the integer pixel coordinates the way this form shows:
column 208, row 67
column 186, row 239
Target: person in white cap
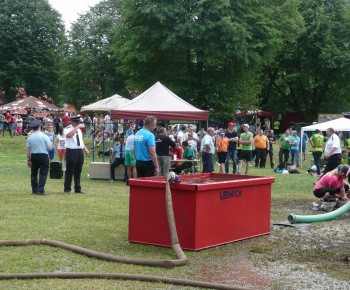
column 246, row 140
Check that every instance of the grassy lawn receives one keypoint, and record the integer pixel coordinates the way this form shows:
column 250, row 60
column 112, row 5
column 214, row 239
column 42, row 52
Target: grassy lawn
column 291, row 258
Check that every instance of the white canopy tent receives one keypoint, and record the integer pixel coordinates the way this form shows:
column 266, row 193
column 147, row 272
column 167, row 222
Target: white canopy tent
column 108, row 104
column 341, row 124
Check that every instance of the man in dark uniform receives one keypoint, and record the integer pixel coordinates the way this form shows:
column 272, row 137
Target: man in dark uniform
column 118, row 152
column 38, row 145
column 75, row 148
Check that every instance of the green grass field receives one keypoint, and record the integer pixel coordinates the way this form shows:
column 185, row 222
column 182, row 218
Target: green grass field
column 99, row 221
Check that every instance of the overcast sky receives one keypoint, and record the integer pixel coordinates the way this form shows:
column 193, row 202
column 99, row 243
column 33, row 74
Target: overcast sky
column 70, row 9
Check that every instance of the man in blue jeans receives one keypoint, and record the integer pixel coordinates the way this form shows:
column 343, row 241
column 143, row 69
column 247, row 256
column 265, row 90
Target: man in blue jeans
column 294, row 149
column 231, row 149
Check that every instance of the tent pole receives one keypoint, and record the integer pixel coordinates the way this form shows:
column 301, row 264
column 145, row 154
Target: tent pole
column 301, row 151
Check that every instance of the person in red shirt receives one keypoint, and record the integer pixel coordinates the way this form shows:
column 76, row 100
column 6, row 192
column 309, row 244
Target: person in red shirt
column 11, row 122
column 176, row 151
column 65, row 120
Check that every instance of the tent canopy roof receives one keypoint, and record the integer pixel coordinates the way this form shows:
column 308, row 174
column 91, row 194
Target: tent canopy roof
column 108, row 104
column 30, row 103
column 342, row 124
column 160, row 102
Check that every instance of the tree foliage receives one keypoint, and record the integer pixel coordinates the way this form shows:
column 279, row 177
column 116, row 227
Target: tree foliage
column 311, row 74
column 89, row 69
column 31, row 33
column 209, row 52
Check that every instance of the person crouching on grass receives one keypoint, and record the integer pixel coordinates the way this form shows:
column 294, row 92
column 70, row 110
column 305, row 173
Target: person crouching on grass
column 333, row 185
column 222, row 144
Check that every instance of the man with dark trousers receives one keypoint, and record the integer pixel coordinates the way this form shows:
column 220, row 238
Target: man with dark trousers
column 118, row 152
column 163, row 143
column 272, row 140
column 231, row 149
column 75, row 148
column 38, row 144
column 145, row 149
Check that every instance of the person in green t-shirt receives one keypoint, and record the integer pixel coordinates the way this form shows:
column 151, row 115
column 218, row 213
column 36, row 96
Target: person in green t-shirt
column 284, row 142
column 246, row 139
column 345, row 158
column 187, row 154
column 276, row 127
column 317, row 142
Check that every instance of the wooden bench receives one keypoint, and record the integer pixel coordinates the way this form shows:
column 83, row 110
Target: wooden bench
column 100, row 170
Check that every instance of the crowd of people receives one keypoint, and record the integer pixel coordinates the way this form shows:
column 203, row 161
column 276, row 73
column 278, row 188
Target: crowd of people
column 148, row 148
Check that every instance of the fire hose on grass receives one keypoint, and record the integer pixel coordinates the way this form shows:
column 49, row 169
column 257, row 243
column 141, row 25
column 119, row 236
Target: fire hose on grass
column 292, row 218
column 181, row 261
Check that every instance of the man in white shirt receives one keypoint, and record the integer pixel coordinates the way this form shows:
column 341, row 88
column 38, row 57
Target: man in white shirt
column 332, row 151
column 75, row 148
column 181, row 135
column 208, row 150
column 194, row 134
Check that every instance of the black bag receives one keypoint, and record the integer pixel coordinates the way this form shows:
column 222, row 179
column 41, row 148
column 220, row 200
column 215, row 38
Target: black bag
column 56, row 170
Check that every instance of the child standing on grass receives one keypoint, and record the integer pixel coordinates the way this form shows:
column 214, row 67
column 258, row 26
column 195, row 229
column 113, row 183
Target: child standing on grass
column 60, row 144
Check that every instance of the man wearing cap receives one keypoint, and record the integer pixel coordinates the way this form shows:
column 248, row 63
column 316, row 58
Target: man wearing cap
column 246, row 140
column 208, row 150
column 232, row 137
column 75, row 148
column 38, row 144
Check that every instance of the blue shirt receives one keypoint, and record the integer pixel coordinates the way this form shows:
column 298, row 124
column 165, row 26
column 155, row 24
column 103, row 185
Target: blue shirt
column 294, row 139
column 38, row 143
column 304, row 138
column 119, row 149
column 208, row 140
column 52, row 137
column 128, row 133
column 143, row 139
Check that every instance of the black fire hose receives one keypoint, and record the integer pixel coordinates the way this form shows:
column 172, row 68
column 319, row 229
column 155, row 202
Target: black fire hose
column 181, row 261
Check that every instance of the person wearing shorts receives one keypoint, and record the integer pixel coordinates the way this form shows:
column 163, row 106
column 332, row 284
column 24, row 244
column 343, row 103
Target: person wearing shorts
column 246, row 140
column 130, row 160
column 61, row 147
column 222, row 144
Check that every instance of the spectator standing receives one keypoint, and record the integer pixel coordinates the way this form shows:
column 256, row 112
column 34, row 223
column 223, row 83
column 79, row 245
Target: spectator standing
column 2, row 120
column 19, row 125
column 75, row 148
column 201, row 134
column 276, row 127
column 232, row 137
column 38, row 144
column 95, row 123
column 11, row 123
column 101, row 123
column 294, row 149
column 118, row 152
column 145, row 151
column 222, row 144
column 246, row 139
column 130, row 160
column 332, row 151
column 193, row 133
column 192, row 143
column 131, row 129
column 272, row 140
column 87, row 122
column 284, row 144
column 181, row 135
column 262, row 146
column 108, row 123
column 208, row 150
column 60, row 145
column 302, row 147
column 51, row 136
column 65, row 120
column 163, row 143
column 317, row 141
column 56, row 124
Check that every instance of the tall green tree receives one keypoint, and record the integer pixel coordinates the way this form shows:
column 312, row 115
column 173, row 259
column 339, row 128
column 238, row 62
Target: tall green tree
column 209, row 52
column 31, row 33
column 89, row 69
column 311, row 74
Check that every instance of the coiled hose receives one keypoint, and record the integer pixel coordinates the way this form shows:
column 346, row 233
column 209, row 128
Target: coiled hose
column 181, row 261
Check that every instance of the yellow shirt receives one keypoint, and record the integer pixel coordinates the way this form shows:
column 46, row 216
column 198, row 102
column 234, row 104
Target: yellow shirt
column 260, row 141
